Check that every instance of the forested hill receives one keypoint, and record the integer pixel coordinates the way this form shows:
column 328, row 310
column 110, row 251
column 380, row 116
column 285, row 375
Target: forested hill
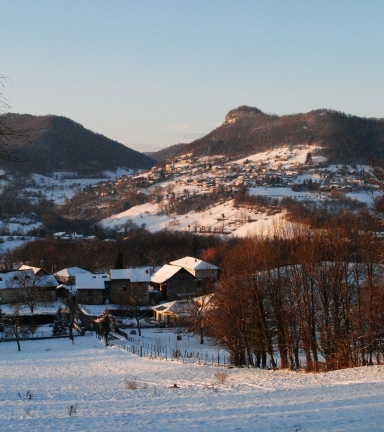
column 246, row 130
column 60, row 144
column 166, row 153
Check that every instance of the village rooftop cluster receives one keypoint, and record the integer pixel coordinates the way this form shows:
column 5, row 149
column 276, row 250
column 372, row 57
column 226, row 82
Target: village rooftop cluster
column 141, row 287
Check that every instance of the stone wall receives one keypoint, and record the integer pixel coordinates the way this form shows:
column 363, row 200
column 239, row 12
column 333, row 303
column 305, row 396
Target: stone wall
column 91, row 296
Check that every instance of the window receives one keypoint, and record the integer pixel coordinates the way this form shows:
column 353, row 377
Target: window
column 90, row 293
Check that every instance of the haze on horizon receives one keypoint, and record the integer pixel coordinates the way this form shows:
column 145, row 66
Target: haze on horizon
column 150, row 74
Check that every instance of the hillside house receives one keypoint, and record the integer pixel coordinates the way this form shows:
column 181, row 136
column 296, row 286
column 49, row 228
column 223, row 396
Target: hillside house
column 171, row 312
column 14, row 283
column 37, row 271
column 174, row 282
column 67, row 277
column 180, row 311
column 125, row 281
column 91, row 288
column 198, row 268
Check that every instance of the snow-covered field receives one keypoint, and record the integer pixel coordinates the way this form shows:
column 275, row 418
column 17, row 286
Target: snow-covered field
column 239, row 222
column 92, row 377
column 48, row 309
column 8, row 243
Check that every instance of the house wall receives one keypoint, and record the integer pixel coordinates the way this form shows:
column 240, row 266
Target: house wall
column 169, row 318
column 13, row 295
column 91, row 297
column 166, row 318
column 50, row 294
column 117, row 295
column 179, row 284
column 10, row 295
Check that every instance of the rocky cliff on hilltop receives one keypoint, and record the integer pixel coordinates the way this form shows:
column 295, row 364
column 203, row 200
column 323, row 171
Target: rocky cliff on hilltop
column 247, row 130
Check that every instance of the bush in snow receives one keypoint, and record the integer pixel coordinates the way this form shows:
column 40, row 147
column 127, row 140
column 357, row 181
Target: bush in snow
column 71, row 410
column 221, row 377
column 130, row 384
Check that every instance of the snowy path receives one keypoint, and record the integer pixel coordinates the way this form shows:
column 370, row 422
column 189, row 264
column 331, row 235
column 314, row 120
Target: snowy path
column 92, row 376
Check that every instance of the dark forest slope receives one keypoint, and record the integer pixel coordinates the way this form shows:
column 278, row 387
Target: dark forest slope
column 166, row 153
column 60, row 144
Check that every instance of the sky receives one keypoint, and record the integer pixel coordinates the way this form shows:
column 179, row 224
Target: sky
column 152, row 73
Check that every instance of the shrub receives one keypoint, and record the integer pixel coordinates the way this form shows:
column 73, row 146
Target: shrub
column 221, row 377
column 130, row 384
column 71, row 410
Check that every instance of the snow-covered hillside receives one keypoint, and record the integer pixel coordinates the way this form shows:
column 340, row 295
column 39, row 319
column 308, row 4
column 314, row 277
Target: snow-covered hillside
column 239, row 222
column 269, row 174
column 92, row 378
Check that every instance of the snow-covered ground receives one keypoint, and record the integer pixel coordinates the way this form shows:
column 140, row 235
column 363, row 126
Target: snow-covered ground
column 61, row 186
column 92, row 378
column 46, row 309
column 285, row 155
column 10, row 242
column 239, row 222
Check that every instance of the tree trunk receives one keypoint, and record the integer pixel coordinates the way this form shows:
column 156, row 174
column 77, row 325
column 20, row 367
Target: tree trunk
column 201, row 335
column 17, row 336
column 138, row 325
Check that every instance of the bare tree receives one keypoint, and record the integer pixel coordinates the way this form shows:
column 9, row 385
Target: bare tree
column 71, row 316
column 13, row 326
column 133, row 301
column 30, row 289
column 195, row 314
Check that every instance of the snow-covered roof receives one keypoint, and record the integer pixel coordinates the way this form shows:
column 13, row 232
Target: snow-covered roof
column 193, row 264
column 46, row 281
column 18, row 278
column 71, row 271
column 165, row 273
column 133, row 274
column 27, row 267
column 91, row 281
column 177, row 307
column 183, row 307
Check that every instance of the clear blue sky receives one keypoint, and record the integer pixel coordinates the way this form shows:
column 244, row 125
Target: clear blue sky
column 154, row 73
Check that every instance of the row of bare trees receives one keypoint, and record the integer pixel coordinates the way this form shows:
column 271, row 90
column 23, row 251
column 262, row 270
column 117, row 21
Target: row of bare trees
column 315, row 299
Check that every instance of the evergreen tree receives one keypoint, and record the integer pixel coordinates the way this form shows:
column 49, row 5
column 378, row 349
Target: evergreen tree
column 119, row 263
column 60, row 324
